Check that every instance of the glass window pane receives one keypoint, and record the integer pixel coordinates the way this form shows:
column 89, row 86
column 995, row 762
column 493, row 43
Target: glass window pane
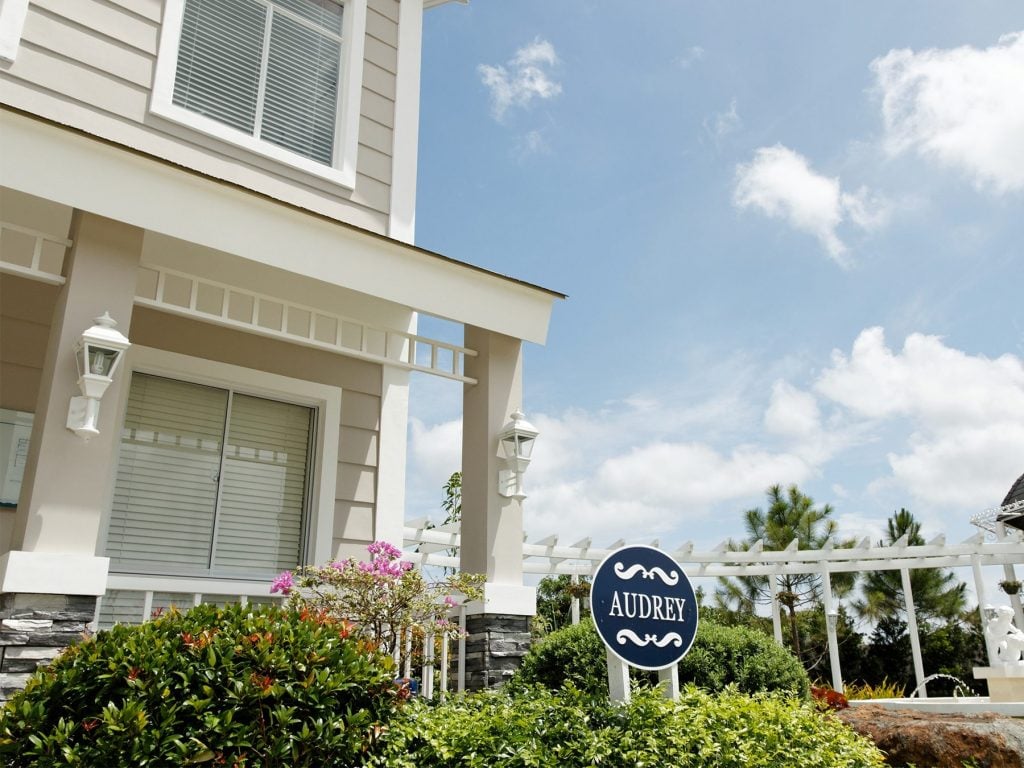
column 219, row 60
column 266, row 463
column 165, row 492
column 301, row 98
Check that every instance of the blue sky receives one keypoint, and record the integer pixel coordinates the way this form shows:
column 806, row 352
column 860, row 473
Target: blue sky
column 791, row 235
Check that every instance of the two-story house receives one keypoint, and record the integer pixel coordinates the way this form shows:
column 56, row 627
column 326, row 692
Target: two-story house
column 234, row 182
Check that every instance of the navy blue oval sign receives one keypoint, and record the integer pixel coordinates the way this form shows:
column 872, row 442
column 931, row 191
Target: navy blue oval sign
column 644, row 607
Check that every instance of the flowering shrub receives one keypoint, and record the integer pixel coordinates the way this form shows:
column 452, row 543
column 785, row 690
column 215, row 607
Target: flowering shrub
column 232, row 686
column 380, row 598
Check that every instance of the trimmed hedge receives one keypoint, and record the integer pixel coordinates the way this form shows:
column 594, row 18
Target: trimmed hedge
column 225, row 686
column 746, row 658
column 569, row 729
column 720, row 656
column 575, row 654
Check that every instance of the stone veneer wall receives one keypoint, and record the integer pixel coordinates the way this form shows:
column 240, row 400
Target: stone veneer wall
column 495, row 646
column 36, row 628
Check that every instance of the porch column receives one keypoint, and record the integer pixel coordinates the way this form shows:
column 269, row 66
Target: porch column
column 53, row 567
column 492, row 525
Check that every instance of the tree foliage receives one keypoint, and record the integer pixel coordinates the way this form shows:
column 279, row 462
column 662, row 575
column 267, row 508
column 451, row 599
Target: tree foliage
column 938, row 594
column 791, row 516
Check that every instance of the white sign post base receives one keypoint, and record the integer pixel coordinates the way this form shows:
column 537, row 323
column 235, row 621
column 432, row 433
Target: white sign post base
column 668, row 678
column 618, row 679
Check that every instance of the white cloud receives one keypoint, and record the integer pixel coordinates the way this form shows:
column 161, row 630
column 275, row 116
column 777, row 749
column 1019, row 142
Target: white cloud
column 525, row 78
column 780, row 183
column 692, row 55
column 723, row 123
column 962, row 107
column 964, row 415
column 792, row 412
column 925, row 426
column 533, row 143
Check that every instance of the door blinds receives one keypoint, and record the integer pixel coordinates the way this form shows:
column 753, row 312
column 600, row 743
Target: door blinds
column 208, row 481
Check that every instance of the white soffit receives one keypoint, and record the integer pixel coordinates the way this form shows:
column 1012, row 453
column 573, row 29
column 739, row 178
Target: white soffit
column 122, row 185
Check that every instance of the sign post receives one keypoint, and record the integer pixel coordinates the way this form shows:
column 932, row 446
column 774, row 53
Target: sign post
column 645, row 611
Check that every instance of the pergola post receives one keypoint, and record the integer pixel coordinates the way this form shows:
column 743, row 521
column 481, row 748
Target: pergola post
column 773, row 580
column 831, row 620
column 915, row 640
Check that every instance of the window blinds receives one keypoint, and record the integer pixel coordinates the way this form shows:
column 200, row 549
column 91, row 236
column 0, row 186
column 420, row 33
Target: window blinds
column 208, row 482
column 270, row 69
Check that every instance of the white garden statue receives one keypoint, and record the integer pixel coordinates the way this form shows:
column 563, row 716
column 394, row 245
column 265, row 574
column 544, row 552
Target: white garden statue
column 1006, row 640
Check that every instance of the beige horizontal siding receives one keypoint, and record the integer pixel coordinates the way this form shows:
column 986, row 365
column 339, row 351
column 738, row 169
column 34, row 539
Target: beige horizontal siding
column 379, row 80
column 375, row 135
column 386, row 8
column 84, row 47
column 358, row 446
column 90, row 64
column 374, row 164
column 383, row 55
column 381, row 27
column 107, row 19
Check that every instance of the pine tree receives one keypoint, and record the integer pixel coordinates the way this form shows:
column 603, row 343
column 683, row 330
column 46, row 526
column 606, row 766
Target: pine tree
column 938, row 593
column 791, row 515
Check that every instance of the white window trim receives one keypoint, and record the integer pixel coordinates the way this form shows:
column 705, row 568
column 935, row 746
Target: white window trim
column 346, row 144
column 247, row 381
column 12, row 24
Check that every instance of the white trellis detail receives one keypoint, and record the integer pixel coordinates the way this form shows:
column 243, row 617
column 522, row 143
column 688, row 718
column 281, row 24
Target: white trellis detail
column 35, row 269
column 226, row 305
column 437, row 547
column 426, row 546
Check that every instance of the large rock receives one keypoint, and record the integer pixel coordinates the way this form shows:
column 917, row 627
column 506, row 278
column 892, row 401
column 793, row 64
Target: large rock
column 932, row 740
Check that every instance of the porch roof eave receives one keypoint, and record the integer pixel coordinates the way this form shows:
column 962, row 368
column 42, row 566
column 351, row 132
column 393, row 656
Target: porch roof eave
column 194, row 207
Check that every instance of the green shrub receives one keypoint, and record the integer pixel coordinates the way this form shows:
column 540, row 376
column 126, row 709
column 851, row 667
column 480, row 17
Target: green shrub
column 232, row 686
column 743, row 657
column 720, row 656
column 569, row 728
column 575, row 654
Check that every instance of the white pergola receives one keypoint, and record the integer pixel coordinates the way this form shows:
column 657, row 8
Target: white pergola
column 995, row 546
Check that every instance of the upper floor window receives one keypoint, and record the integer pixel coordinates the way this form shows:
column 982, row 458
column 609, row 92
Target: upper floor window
column 276, row 77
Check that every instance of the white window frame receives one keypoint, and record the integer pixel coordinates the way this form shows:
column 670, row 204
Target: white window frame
column 346, row 136
column 12, row 24
column 325, row 399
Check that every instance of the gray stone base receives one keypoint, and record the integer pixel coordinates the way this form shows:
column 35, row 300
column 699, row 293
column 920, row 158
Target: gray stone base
column 34, row 629
column 495, row 645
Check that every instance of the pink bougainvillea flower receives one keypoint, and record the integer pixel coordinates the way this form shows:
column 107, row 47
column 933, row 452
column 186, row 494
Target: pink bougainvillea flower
column 283, row 583
column 450, row 601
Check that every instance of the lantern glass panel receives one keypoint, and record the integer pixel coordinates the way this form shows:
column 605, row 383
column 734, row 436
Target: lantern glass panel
column 525, row 446
column 101, row 360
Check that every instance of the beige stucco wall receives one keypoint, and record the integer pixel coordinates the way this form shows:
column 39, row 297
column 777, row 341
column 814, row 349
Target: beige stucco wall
column 26, row 310
column 89, row 64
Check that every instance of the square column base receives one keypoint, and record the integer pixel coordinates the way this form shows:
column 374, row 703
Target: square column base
column 34, row 629
column 495, row 646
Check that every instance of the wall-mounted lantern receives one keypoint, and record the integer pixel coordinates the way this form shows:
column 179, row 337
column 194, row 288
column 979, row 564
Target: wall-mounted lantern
column 515, row 446
column 98, row 354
